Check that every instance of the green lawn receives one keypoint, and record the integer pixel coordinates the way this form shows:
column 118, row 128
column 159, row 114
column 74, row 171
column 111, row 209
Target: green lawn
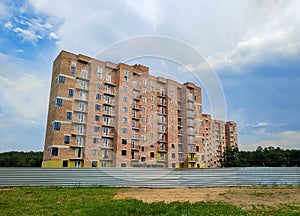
column 99, row 201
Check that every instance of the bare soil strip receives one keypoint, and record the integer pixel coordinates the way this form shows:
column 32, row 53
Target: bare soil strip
column 246, row 197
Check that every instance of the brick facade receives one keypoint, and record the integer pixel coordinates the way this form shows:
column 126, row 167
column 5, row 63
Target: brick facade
column 103, row 114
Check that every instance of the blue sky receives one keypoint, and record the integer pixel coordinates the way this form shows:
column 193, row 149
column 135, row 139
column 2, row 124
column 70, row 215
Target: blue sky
column 253, row 46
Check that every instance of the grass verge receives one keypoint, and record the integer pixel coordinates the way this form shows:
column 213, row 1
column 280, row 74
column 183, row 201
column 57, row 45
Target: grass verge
column 99, row 201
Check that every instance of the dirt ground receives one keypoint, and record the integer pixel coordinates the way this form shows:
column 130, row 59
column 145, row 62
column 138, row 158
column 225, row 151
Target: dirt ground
column 246, row 197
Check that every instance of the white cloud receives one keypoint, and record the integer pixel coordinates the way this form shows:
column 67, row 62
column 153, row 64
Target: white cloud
column 8, row 25
column 27, row 35
column 52, row 35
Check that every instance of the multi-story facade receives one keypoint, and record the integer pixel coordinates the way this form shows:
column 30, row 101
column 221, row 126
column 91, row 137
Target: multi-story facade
column 103, row 114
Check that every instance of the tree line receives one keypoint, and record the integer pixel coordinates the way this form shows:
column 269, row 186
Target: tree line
column 21, row 159
column 261, row 157
column 232, row 157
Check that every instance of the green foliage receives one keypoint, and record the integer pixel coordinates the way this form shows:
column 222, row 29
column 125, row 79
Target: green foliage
column 99, row 201
column 21, row 159
column 269, row 157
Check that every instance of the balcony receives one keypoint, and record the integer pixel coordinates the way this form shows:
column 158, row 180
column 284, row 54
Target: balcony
column 137, row 97
column 162, row 141
column 162, row 122
column 135, row 157
column 192, row 159
column 110, row 93
column 108, row 103
column 108, row 135
column 108, row 124
column 75, row 145
column 136, row 87
column 106, row 82
column 105, row 158
column 107, row 146
column 191, row 115
column 135, row 147
column 162, row 159
column 108, row 114
column 79, row 110
column 77, row 98
column 162, row 149
column 136, row 117
column 161, row 95
column 136, row 107
column 136, row 137
column 162, row 104
column 135, row 127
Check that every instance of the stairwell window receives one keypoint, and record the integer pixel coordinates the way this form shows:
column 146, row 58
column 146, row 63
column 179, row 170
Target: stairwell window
column 67, row 139
column 73, row 67
column 58, row 102
column 71, row 92
column 61, row 79
column 69, row 115
column 126, row 76
column 56, row 126
column 54, row 151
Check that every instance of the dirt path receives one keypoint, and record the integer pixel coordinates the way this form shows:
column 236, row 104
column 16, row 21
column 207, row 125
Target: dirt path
column 246, row 197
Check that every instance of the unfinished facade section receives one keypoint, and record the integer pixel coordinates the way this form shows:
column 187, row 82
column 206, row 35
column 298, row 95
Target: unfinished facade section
column 103, row 114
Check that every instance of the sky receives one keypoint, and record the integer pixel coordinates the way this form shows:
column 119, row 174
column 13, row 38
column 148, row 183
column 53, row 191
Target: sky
column 252, row 46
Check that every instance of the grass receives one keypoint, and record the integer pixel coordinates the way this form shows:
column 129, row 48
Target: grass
column 99, row 201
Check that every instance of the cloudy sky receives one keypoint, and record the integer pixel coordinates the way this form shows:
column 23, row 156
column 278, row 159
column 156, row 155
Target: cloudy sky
column 253, row 46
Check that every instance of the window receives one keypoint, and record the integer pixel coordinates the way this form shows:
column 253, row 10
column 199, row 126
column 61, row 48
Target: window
column 61, row 79
column 98, row 96
column 123, row 152
column 151, row 135
column 103, row 164
column 54, row 151
column 143, row 148
column 144, row 91
column 65, row 163
column 144, row 128
column 152, row 116
column 95, row 140
column 124, row 141
column 173, row 146
column 144, row 138
column 83, row 84
column 152, row 154
column 151, row 125
column 144, row 119
column 125, row 88
column 58, row 102
column 144, row 109
column 94, row 152
column 81, row 117
column 144, row 100
column 152, row 106
column 125, row 120
column 173, row 165
column 125, row 99
column 69, row 115
column 73, row 67
column 123, row 164
column 82, row 106
column 97, row 107
column 143, row 159
column 94, row 163
column 82, row 95
column 144, row 82
column 125, row 109
column 197, row 148
column 173, row 155
column 97, row 118
column 79, row 140
column 67, row 139
column 107, row 109
column 71, row 92
column 56, row 126
column 124, row 130
column 96, row 129
column 84, row 73
column 99, row 72
column 99, row 86
column 80, row 129
column 152, row 97
column 126, row 76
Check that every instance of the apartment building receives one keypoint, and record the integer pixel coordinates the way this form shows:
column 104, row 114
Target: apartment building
column 103, row 114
